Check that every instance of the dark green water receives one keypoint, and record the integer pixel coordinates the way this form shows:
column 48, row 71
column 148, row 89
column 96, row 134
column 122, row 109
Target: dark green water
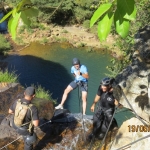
column 49, row 66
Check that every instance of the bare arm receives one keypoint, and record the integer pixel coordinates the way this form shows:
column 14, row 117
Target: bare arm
column 85, row 75
column 116, row 102
column 97, row 98
column 10, row 111
column 35, row 123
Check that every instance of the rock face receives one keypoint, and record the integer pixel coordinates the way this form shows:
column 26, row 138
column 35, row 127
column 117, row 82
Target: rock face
column 131, row 131
column 134, row 82
column 135, row 79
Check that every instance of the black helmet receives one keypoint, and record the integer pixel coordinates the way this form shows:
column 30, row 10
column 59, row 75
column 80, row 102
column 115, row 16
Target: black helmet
column 106, row 81
column 30, row 139
column 75, row 61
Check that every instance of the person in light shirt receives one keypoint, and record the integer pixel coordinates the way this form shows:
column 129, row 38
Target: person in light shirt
column 80, row 73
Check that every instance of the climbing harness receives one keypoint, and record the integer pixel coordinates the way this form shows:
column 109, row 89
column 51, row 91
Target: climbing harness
column 80, row 108
column 21, row 136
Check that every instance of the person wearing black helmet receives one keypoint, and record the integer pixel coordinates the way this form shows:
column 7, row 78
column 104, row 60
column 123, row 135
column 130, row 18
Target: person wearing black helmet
column 81, row 79
column 25, row 117
column 106, row 104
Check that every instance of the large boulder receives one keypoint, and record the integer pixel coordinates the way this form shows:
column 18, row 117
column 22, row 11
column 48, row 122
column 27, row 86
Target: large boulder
column 131, row 131
column 134, row 80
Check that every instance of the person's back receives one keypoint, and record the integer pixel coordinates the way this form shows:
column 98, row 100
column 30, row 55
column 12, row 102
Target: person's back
column 25, row 117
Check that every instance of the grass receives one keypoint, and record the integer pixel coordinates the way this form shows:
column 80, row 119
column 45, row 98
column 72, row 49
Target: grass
column 4, row 44
column 8, row 77
column 42, row 93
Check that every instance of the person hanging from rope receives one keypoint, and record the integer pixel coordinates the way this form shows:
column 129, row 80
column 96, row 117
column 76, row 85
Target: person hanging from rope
column 81, row 79
column 106, row 104
column 25, row 117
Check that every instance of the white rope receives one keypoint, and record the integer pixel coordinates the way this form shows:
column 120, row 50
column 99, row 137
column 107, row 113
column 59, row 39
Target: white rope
column 10, row 142
column 21, row 136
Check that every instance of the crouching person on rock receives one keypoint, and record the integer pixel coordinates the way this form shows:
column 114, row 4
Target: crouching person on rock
column 105, row 109
column 25, row 118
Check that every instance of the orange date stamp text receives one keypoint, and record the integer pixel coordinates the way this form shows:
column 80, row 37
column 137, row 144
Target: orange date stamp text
column 138, row 128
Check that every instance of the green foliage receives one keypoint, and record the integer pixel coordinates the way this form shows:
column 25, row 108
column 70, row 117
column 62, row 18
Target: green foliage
column 44, row 94
column 123, row 12
column 4, row 44
column 86, row 23
column 117, row 65
column 23, row 10
column 9, row 77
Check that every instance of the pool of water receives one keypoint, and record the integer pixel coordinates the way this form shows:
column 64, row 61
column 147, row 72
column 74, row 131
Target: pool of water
column 49, row 66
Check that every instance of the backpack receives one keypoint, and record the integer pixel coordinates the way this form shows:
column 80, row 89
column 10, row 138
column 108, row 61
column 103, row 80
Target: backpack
column 20, row 112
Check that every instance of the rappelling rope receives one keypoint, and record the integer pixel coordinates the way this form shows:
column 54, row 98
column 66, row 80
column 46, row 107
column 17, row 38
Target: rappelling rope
column 80, row 109
column 125, row 146
column 131, row 106
column 21, row 136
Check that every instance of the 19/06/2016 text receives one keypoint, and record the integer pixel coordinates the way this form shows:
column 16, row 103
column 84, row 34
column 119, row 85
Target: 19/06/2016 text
column 138, row 128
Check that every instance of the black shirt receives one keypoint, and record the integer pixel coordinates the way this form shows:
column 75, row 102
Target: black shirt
column 106, row 99
column 28, row 117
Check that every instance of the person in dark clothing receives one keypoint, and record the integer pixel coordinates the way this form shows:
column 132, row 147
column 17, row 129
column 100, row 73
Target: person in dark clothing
column 105, row 109
column 25, row 117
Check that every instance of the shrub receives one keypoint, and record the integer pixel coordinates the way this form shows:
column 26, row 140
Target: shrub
column 4, row 44
column 9, row 77
column 42, row 93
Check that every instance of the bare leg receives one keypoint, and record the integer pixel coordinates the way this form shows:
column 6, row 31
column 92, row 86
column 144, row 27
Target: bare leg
column 66, row 92
column 84, row 99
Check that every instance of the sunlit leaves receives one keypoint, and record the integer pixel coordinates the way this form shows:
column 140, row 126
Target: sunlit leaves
column 24, row 10
column 121, row 24
column 99, row 12
column 6, row 16
column 127, row 9
column 104, row 26
column 124, row 12
column 13, row 23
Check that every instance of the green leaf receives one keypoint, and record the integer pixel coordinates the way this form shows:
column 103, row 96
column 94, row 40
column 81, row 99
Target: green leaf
column 25, row 19
column 23, row 3
column 132, row 16
column 104, row 26
column 9, row 24
column 121, row 24
column 127, row 9
column 31, row 12
column 14, row 12
column 6, row 16
column 99, row 12
column 13, row 25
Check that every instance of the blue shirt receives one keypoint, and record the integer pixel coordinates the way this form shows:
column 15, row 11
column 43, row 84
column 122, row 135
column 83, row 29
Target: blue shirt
column 83, row 70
